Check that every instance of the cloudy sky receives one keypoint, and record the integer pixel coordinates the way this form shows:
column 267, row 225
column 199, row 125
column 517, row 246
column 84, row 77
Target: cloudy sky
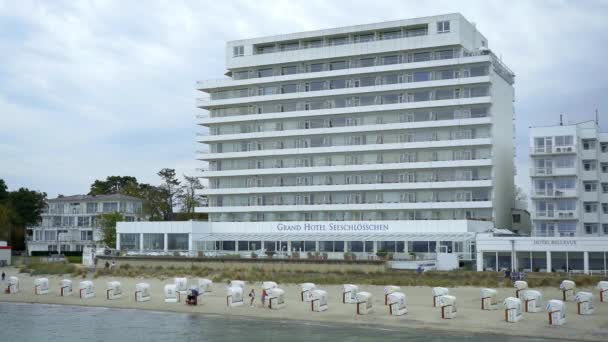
column 96, row 88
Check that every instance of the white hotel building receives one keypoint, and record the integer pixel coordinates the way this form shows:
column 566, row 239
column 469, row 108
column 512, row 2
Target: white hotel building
column 569, row 169
column 395, row 136
column 391, row 122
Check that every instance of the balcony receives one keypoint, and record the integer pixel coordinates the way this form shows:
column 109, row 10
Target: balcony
column 552, row 172
column 351, row 70
column 348, row 207
column 325, row 91
column 569, row 193
column 547, row 150
column 346, row 129
column 350, row 168
column 351, row 187
column 348, row 148
column 371, row 108
column 556, row 215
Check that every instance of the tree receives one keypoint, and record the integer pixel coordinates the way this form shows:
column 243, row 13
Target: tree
column 155, row 202
column 7, row 217
column 19, row 209
column 3, row 191
column 28, row 205
column 188, row 197
column 107, row 223
column 112, row 185
column 172, row 190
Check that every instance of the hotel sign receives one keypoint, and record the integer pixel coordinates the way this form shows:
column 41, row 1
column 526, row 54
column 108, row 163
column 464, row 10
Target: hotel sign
column 555, row 242
column 332, row 227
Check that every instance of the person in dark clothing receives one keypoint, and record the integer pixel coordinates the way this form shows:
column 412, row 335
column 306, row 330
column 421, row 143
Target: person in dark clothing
column 107, row 264
column 192, row 297
column 3, row 275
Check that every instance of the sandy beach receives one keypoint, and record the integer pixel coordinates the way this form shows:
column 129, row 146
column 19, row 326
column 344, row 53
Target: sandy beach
column 421, row 314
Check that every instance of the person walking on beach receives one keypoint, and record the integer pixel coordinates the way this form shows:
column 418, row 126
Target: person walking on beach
column 264, row 295
column 3, row 275
column 252, row 296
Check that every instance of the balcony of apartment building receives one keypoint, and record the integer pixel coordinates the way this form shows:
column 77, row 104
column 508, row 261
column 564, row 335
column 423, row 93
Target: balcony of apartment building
column 359, row 128
column 552, row 171
column 348, row 207
column 555, row 215
column 339, row 45
column 351, row 187
column 557, row 193
column 481, row 140
column 364, row 65
column 327, row 88
column 360, row 90
column 553, row 150
column 344, row 168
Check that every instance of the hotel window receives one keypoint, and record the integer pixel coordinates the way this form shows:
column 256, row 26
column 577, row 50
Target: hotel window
column 422, row 56
column 589, row 165
column 265, row 72
column 588, row 144
column 177, row 241
column 91, row 208
column 366, row 62
column 314, row 43
column 590, row 186
column 604, row 147
column 240, row 75
column 390, row 35
column 591, row 228
column 604, row 167
column 338, row 65
column 110, row 207
column 88, row 236
column 605, row 208
column 362, row 38
column 605, row 188
column 154, row 241
column 590, row 207
column 422, row 76
column 444, row 54
column 289, row 88
column 443, row 26
column 315, row 67
column 129, row 241
column 290, row 46
column 337, row 84
column 563, row 140
column 238, row 51
column 387, row 60
column 605, row 228
column 289, row 70
column 339, row 41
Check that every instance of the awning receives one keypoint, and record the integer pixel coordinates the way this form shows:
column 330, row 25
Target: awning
column 334, row 237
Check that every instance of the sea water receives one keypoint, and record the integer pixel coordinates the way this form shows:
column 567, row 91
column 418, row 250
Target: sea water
column 41, row 322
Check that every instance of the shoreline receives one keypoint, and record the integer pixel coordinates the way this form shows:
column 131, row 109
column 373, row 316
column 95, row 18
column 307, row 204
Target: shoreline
column 421, row 315
column 330, row 324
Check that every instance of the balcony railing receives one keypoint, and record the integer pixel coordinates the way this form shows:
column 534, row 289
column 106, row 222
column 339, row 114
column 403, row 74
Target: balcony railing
column 212, row 169
column 553, row 150
column 453, row 179
column 324, row 43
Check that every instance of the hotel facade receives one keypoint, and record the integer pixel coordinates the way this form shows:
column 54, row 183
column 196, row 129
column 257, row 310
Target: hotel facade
column 393, row 137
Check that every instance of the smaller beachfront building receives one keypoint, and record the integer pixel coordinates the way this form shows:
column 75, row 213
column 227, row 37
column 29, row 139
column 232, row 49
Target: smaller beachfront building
column 498, row 252
column 411, row 240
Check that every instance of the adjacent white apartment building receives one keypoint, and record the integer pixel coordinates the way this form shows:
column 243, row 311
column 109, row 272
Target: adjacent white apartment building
column 569, row 180
column 392, row 122
column 70, row 223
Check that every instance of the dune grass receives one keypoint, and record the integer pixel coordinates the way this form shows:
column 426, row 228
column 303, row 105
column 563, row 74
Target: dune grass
column 48, row 269
column 401, row 278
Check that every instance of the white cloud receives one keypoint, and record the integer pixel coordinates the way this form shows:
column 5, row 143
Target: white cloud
column 96, row 88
